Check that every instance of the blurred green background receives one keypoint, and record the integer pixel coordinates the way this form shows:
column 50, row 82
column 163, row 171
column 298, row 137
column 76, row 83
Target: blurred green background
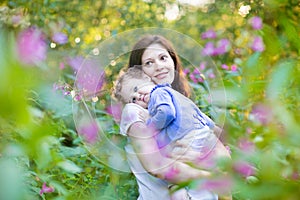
column 39, row 142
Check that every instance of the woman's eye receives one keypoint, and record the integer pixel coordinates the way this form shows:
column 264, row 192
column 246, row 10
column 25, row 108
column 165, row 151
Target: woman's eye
column 133, row 100
column 148, row 63
column 164, row 57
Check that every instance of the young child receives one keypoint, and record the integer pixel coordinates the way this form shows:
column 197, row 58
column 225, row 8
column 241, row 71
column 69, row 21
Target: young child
column 173, row 117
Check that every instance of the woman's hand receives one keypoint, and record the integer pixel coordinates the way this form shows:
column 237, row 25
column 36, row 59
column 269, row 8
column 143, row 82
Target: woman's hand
column 182, row 152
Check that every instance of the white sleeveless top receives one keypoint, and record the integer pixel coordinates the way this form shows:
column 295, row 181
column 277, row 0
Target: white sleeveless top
column 150, row 187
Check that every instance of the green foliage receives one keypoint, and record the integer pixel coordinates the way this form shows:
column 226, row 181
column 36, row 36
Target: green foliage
column 39, row 142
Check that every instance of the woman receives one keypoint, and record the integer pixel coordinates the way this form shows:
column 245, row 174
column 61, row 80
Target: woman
column 144, row 157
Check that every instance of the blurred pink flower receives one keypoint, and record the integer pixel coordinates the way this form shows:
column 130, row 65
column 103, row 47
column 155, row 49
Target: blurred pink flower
column 58, row 86
column 202, row 66
column 258, row 44
column 115, row 110
column 224, row 66
column 223, row 46
column 46, row 189
column 210, row 34
column 244, row 168
column 246, row 145
column 234, row 68
column 186, row 71
column 75, row 62
column 249, row 130
column 61, row 65
column 256, row 23
column 31, row 46
column 196, row 71
column 221, row 185
column 193, row 78
column 60, row 38
column 262, row 113
column 77, row 97
column 209, row 49
column 228, row 149
column 90, row 77
column 89, row 131
column 295, row 176
column 200, row 79
column 211, row 75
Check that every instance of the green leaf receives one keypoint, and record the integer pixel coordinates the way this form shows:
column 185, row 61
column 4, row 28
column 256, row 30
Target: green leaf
column 69, row 166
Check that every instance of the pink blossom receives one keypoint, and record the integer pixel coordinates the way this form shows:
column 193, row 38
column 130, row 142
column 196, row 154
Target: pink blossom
column 90, row 77
column 249, row 130
column 31, row 46
column 186, row 71
column 246, row 145
column 60, row 38
column 75, row 62
column 258, row 44
column 211, row 75
column 256, row 23
column 46, row 189
column 61, row 65
column 200, row 79
column 295, row 176
column 210, row 34
column 244, row 168
column 209, row 49
column 115, row 110
column 193, row 78
column 234, row 68
column 228, row 149
column 77, row 97
column 223, row 46
column 222, row 185
column 262, row 113
column 89, row 131
column 58, row 86
column 196, row 71
column 202, row 66
column 224, row 66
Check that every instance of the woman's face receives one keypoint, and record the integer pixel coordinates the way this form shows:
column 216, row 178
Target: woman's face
column 158, row 64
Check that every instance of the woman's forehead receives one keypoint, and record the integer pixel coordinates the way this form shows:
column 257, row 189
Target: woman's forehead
column 152, row 50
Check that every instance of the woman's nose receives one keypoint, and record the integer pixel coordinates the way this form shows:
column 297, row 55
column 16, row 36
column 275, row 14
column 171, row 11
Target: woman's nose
column 159, row 65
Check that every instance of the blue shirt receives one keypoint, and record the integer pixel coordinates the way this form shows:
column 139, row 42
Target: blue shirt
column 174, row 115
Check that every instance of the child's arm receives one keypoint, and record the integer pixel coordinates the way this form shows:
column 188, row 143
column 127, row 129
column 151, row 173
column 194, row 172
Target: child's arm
column 161, row 110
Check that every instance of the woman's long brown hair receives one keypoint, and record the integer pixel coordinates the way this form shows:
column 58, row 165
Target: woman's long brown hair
column 180, row 83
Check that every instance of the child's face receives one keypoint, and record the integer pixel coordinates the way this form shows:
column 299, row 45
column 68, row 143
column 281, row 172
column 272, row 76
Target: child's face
column 137, row 90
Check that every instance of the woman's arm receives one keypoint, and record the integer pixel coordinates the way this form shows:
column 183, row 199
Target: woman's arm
column 155, row 163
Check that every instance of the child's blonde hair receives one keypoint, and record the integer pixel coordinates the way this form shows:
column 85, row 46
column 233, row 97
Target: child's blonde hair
column 135, row 72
